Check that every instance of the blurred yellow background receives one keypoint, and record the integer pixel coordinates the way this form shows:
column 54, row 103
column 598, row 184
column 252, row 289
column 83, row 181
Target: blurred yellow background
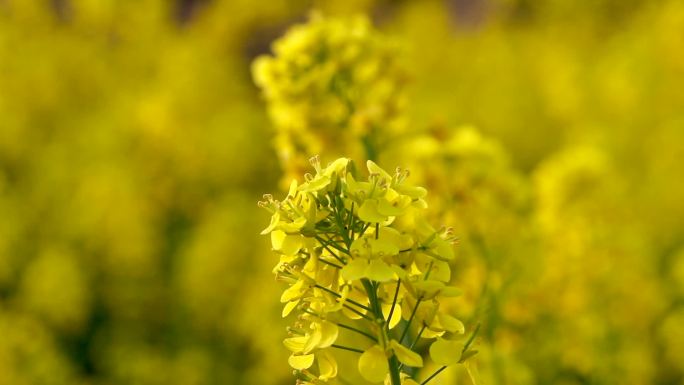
column 134, row 146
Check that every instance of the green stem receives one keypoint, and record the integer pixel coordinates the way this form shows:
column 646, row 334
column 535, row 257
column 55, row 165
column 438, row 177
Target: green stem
column 413, row 344
column 394, row 370
column 408, row 324
column 330, row 263
column 343, row 326
column 433, row 375
column 394, row 303
column 392, row 361
column 326, row 244
column 337, row 295
column 347, row 348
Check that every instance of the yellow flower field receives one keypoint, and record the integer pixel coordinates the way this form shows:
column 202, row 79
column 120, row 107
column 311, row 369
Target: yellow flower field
column 532, row 233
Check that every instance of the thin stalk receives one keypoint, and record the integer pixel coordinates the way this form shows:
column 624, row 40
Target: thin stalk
column 334, row 244
column 343, row 326
column 351, row 222
column 325, row 245
column 420, row 333
column 433, row 375
column 413, row 344
column 347, row 348
column 394, row 302
column 351, row 309
column 363, row 230
column 392, row 361
column 330, row 263
column 408, row 324
column 366, row 308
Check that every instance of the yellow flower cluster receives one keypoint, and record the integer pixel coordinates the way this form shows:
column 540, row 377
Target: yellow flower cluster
column 331, row 83
column 358, row 255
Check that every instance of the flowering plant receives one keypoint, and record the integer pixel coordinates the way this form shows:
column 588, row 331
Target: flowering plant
column 358, row 255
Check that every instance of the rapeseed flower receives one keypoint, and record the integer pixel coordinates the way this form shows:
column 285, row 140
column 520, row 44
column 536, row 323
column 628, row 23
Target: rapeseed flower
column 358, row 255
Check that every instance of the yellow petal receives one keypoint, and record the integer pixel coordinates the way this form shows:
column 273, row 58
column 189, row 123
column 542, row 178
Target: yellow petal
column 373, row 168
column 451, row 324
column 277, row 239
column 428, row 288
column 318, row 183
column 451, row 291
column 443, row 248
column 355, row 269
column 393, row 207
column 354, row 187
column 292, row 292
column 293, row 188
column 329, row 332
column 287, row 309
column 359, row 297
column 301, row 362
column 368, row 212
column 373, row 364
column 327, row 365
column 430, row 334
column 275, row 218
column 292, row 227
column 440, row 271
column 379, row 271
column 396, row 315
column 336, row 167
column 445, row 352
column 313, row 340
column 295, row 344
column 414, row 192
column 287, row 244
column 401, row 273
column 406, row 356
column 383, row 247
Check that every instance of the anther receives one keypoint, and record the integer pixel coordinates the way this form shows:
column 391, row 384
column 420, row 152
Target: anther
column 315, row 162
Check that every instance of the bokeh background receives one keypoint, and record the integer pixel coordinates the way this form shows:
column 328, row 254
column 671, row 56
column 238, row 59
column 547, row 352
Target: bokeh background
column 134, row 146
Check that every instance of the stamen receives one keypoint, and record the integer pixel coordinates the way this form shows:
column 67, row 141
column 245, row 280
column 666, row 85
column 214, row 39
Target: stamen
column 316, row 163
